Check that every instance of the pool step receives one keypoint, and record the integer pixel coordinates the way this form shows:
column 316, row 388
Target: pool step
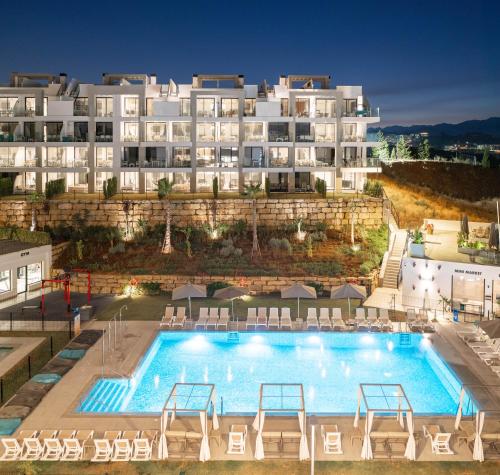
column 404, row 339
column 233, row 336
column 107, row 396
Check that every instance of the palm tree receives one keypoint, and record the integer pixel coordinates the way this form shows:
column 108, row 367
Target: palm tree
column 252, row 191
column 164, row 190
column 33, row 199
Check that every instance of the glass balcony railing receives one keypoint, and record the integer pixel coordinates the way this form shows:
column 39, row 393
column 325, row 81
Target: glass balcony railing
column 104, row 163
column 304, row 138
column 279, row 137
column 365, row 112
column 254, row 162
column 103, row 138
column 81, row 111
column 12, row 162
column 155, row 163
column 361, row 162
column 279, row 162
column 181, row 163
column 133, row 163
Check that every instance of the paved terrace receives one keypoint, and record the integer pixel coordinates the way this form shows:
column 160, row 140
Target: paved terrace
column 137, row 337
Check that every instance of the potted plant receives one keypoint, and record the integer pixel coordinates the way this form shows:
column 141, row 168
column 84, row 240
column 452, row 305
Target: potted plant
column 468, row 247
column 417, row 246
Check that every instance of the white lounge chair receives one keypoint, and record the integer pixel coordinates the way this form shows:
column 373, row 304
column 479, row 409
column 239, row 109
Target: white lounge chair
column 440, row 441
column 285, row 320
column 168, row 316
column 324, row 319
column 372, row 319
column 237, row 440
column 261, row 317
column 33, row 446
column 13, row 446
column 411, row 319
column 223, row 318
column 361, row 323
column 251, row 318
column 312, row 319
column 122, row 447
column 385, row 321
column 179, row 318
column 74, row 447
column 338, row 323
column 273, row 323
column 53, row 447
column 142, row 448
column 202, row 318
column 332, row 440
column 104, row 447
column 213, row 318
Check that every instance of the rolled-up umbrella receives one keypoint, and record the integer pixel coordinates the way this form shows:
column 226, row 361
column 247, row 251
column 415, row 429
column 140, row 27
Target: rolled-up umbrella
column 491, row 327
column 493, row 239
column 189, row 291
column 231, row 293
column 298, row 291
column 464, row 225
column 348, row 291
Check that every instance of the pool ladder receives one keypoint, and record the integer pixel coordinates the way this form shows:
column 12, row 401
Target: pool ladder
column 233, row 336
column 404, row 339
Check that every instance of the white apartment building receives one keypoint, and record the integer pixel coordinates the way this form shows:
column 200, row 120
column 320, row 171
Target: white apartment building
column 138, row 130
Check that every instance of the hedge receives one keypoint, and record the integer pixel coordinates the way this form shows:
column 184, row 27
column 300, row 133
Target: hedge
column 24, row 235
column 6, row 186
column 55, row 187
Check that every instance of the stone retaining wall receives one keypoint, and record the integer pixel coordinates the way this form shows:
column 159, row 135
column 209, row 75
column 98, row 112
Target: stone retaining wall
column 335, row 212
column 115, row 283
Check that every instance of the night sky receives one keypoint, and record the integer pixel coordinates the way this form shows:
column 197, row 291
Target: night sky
column 420, row 61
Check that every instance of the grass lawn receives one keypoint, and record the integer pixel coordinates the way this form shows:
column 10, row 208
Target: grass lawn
column 253, row 468
column 152, row 307
column 18, row 375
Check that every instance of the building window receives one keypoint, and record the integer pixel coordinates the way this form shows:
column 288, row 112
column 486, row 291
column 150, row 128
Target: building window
column 130, row 132
column 34, row 273
column 278, row 132
column 204, row 181
column 156, row 131
column 29, row 106
column 228, row 107
column 229, row 157
column 104, row 106
column 182, row 182
column 302, row 107
column 249, row 110
column 56, row 157
column 284, row 107
column 205, row 107
column 81, row 157
column 205, row 157
column 303, row 132
column 53, row 131
column 104, row 157
column 303, row 157
column 254, row 157
column 325, row 132
column 325, row 107
column 104, row 131
column 156, row 157
column 181, row 157
column 349, row 134
column 129, row 181
column 81, row 131
column 205, row 132
column 81, row 106
column 181, row 132
column 229, row 131
column 7, row 106
column 131, row 106
column 278, row 156
column 254, row 132
column 4, row 281
column 228, row 181
column 350, row 107
column 130, row 157
column 185, row 107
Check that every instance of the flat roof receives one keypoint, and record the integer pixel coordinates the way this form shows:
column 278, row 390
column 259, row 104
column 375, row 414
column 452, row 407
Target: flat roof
column 7, row 246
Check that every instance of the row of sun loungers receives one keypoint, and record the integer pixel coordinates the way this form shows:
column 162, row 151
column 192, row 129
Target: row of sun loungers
column 213, row 318
column 487, row 349
column 173, row 319
column 71, row 445
column 419, row 322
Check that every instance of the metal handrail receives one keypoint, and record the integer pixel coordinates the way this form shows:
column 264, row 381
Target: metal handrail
column 392, row 208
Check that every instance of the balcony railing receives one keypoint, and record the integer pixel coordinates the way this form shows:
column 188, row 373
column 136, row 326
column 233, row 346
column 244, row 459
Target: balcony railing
column 229, row 113
column 156, row 138
column 366, row 112
column 279, row 163
column 181, row 163
column 81, row 111
column 325, row 138
column 305, row 138
column 279, row 138
column 205, row 162
column 104, row 163
column 130, row 138
column 361, row 162
column 129, row 163
column 254, row 138
column 228, row 138
column 11, row 163
column 249, row 162
column 181, row 138
column 155, row 163
column 103, row 138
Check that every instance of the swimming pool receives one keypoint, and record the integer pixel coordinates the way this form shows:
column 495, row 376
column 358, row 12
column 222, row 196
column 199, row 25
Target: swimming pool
column 329, row 365
column 4, row 351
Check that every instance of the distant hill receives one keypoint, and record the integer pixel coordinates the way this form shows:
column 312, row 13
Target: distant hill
column 477, row 131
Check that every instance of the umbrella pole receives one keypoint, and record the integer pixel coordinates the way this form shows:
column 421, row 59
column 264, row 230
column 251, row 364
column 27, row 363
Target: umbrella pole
column 349, row 302
column 232, row 308
column 298, row 307
column 189, row 300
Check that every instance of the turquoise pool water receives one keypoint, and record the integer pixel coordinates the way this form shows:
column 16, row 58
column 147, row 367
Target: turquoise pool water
column 329, row 365
column 4, row 351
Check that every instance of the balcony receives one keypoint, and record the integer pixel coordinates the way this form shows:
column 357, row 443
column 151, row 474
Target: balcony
column 104, row 163
column 273, row 137
column 131, row 163
column 279, row 162
column 81, row 111
column 254, row 162
column 229, row 113
column 156, row 138
column 254, row 138
column 368, row 162
column 365, row 112
column 103, row 138
column 162, row 163
column 305, row 138
column 181, row 162
column 11, row 162
column 130, row 138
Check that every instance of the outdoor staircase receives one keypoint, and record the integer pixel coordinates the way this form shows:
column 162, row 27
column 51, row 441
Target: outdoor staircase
column 106, row 396
column 391, row 273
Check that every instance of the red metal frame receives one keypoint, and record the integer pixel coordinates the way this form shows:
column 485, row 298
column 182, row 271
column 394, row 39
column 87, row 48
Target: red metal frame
column 66, row 281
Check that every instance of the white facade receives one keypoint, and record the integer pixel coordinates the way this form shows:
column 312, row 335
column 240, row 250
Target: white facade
column 24, row 268
column 139, row 131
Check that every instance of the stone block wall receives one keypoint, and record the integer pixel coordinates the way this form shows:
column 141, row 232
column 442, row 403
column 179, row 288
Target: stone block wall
column 334, row 212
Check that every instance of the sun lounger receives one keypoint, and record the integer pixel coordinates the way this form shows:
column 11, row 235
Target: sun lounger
column 273, row 322
column 213, row 318
column 361, row 323
column 104, row 447
column 237, row 439
column 251, row 318
column 202, row 318
column 74, row 447
column 122, row 447
column 373, row 319
column 168, row 316
column 332, row 442
column 33, row 446
column 262, row 317
column 286, row 320
column 142, row 447
column 223, row 318
column 440, row 441
column 338, row 323
column 312, row 321
column 385, row 322
column 411, row 319
column 312, row 312
column 179, row 318
column 324, row 319
column 53, row 447
column 491, row 349
column 13, row 446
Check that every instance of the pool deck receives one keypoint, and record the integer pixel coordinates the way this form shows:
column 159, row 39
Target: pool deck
column 21, row 348
column 137, row 337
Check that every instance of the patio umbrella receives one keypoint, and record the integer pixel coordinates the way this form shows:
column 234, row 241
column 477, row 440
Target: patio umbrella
column 230, row 293
column 348, row 291
column 493, row 240
column 189, row 291
column 298, row 291
column 464, row 225
column 491, row 327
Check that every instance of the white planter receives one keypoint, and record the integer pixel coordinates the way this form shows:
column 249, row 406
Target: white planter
column 417, row 250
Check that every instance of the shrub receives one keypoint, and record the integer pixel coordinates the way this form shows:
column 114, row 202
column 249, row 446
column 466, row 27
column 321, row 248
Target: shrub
column 213, row 286
column 309, row 246
column 24, row 235
column 318, row 236
column 6, row 186
column 318, row 286
column 110, row 187
column 281, row 245
column 321, row 227
column 150, row 288
column 228, row 249
column 55, row 187
column 321, row 187
column 366, row 267
column 329, row 269
column 215, row 187
column 118, row 249
column 239, row 228
column 267, row 187
column 373, row 188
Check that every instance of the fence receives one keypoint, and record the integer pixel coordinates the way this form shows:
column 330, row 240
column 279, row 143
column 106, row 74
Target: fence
column 13, row 379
